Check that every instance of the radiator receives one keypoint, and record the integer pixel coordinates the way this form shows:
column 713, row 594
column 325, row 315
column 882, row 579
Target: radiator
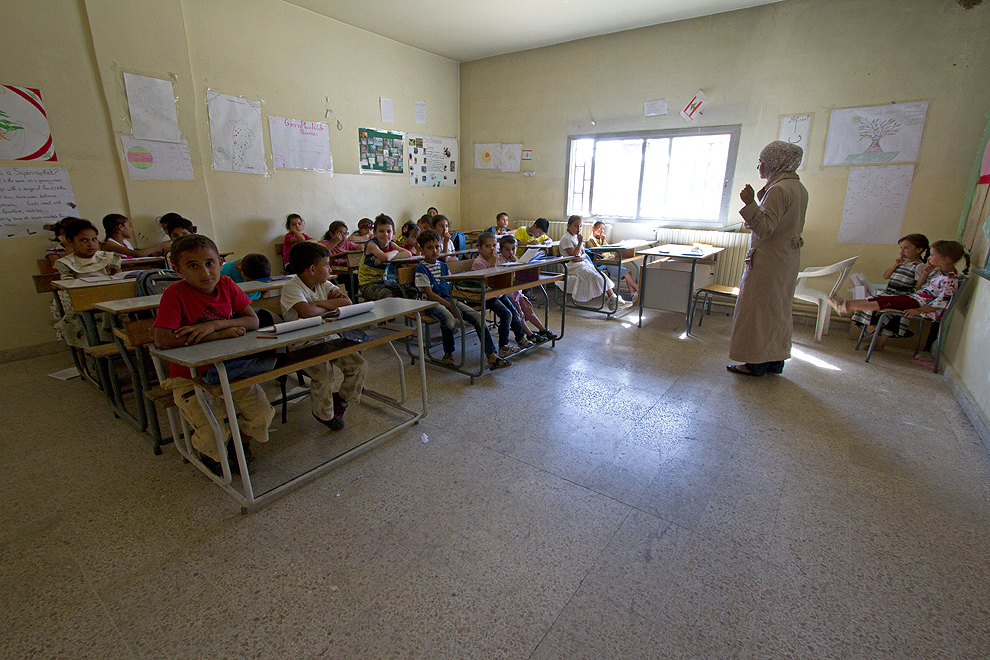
column 730, row 260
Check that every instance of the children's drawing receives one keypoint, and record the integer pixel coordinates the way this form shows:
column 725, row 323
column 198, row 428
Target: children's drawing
column 24, row 132
column 879, row 134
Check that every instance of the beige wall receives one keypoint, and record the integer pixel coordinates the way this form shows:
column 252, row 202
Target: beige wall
column 77, row 50
column 797, row 56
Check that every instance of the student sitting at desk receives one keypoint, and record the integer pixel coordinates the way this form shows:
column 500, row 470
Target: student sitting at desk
column 163, row 221
column 295, row 224
column 425, row 222
column 441, row 225
column 410, row 238
column 336, row 241
column 307, row 294
column 176, row 228
column 365, row 230
column 501, row 225
column 536, row 234
column 505, row 312
column 507, row 256
column 428, row 280
column 378, row 251
column 119, row 232
column 597, row 240
column 207, row 306
column 248, row 268
column 585, row 281
column 86, row 259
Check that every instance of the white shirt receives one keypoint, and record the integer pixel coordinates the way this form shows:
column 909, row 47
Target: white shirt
column 295, row 291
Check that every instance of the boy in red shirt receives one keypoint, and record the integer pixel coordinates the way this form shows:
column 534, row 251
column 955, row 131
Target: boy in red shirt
column 207, row 306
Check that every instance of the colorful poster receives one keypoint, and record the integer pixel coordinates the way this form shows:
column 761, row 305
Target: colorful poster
column 880, row 134
column 381, row 151
column 153, row 160
column 24, row 132
column 876, row 200
column 236, row 133
column 30, row 197
column 300, row 145
column 151, row 103
column 694, row 107
column 796, row 129
column 432, row 161
column 487, row 156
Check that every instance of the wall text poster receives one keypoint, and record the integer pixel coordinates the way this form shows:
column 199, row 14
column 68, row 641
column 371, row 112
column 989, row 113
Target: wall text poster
column 432, row 161
column 876, row 200
column 300, row 145
column 236, row 133
column 796, row 129
column 381, row 151
column 152, row 160
column 31, row 197
column 881, row 134
column 24, row 132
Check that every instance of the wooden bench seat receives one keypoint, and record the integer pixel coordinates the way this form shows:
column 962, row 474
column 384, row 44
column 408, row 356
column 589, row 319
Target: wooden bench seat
column 101, row 351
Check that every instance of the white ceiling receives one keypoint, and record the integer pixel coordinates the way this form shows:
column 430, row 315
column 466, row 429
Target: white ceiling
column 465, row 30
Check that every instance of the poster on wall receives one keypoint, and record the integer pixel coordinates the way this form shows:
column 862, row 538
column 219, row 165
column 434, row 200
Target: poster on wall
column 381, row 151
column 876, row 200
column 509, row 158
column 24, row 132
column 30, row 197
column 880, row 134
column 796, row 129
column 151, row 103
column 236, row 134
column 152, row 160
column 432, row 161
column 300, row 145
column 487, row 156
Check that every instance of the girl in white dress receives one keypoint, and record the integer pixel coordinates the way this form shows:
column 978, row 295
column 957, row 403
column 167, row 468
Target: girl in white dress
column 585, row 282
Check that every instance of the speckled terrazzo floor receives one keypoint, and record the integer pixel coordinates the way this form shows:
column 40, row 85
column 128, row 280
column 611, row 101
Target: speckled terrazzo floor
column 621, row 496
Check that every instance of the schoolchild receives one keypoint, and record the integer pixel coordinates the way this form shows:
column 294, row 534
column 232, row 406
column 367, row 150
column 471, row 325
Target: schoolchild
column 378, row 251
column 501, row 225
column 249, row 268
column 295, row 224
column 119, row 231
column 535, row 234
column 507, row 318
column 365, row 230
column 507, row 256
column 903, row 278
column 336, row 241
column 86, row 259
column 584, row 281
column 410, row 236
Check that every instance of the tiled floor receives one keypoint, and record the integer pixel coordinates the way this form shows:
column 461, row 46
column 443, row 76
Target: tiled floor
column 621, row 496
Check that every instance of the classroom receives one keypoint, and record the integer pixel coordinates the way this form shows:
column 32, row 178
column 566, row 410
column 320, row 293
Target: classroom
column 618, row 495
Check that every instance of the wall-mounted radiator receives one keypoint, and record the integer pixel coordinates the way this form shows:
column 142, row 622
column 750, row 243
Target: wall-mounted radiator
column 730, row 260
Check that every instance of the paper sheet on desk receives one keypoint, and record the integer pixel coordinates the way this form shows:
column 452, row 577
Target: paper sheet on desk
column 529, row 255
column 350, row 310
column 290, row 326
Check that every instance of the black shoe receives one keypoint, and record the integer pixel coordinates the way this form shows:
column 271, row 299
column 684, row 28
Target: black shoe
column 232, row 455
column 549, row 335
column 334, row 424
column 212, row 465
column 339, row 405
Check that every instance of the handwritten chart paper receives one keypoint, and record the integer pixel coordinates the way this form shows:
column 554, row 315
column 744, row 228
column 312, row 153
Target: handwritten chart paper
column 796, row 129
column 236, row 133
column 880, row 134
column 300, row 145
column 24, row 132
column 432, row 161
column 151, row 160
column 876, row 199
column 31, row 197
column 151, row 103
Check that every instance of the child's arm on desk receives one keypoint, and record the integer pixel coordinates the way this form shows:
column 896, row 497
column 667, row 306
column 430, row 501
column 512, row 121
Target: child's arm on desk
column 243, row 320
column 335, row 299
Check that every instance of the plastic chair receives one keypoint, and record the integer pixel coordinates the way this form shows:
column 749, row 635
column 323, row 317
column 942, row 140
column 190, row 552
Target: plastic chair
column 887, row 314
column 820, row 298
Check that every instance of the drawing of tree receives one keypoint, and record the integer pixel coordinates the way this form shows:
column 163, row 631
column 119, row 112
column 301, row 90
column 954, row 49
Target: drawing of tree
column 6, row 126
column 874, row 130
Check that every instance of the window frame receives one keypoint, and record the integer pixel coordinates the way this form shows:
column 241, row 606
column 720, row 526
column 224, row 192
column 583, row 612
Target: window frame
column 734, row 132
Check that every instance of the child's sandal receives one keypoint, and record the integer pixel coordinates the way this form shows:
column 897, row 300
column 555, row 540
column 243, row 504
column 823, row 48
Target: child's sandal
column 498, row 363
column 448, row 358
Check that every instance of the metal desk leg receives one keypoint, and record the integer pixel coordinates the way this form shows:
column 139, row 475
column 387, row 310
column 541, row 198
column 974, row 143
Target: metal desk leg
column 642, row 289
column 687, row 320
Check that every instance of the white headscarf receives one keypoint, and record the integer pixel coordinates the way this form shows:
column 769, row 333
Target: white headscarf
column 779, row 157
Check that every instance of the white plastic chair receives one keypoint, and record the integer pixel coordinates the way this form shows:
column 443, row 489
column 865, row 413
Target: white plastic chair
column 819, row 297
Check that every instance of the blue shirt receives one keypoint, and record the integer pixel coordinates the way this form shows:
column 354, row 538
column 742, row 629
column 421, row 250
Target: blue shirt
column 230, row 270
column 428, row 275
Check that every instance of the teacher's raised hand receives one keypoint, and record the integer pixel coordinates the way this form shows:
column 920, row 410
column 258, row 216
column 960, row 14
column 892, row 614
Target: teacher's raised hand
column 747, row 195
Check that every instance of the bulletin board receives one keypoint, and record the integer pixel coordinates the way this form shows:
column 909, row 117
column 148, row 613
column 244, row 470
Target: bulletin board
column 381, row 151
column 432, row 161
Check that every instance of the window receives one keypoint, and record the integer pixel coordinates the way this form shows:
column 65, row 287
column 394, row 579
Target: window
column 678, row 177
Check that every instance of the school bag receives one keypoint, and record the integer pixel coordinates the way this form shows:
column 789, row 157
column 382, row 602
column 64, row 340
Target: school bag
column 154, row 282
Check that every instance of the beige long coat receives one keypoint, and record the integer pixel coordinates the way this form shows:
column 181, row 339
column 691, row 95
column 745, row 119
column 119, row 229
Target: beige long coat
column 761, row 326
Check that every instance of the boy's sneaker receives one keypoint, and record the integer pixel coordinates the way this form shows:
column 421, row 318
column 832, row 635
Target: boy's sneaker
column 506, row 351
column 232, row 455
column 549, row 336
column 524, row 343
column 337, row 422
column 536, row 338
column 211, row 465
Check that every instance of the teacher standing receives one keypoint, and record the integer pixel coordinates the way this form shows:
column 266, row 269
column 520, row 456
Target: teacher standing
column 761, row 325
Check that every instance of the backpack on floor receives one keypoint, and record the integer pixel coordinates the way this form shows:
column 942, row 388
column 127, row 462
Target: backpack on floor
column 154, row 282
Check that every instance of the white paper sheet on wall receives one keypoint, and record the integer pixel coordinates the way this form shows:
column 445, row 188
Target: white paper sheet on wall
column 151, row 103
column 655, row 108
column 298, row 144
column 487, row 156
column 387, row 113
column 876, row 200
column 419, row 108
column 153, row 160
column 879, row 134
column 236, row 133
column 31, row 197
column 796, row 129
column 510, row 157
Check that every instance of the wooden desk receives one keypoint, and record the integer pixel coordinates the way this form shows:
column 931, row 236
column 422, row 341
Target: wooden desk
column 215, row 352
column 676, row 253
column 504, row 280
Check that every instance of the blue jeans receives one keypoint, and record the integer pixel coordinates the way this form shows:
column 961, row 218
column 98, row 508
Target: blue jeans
column 508, row 318
column 448, row 323
column 241, row 368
